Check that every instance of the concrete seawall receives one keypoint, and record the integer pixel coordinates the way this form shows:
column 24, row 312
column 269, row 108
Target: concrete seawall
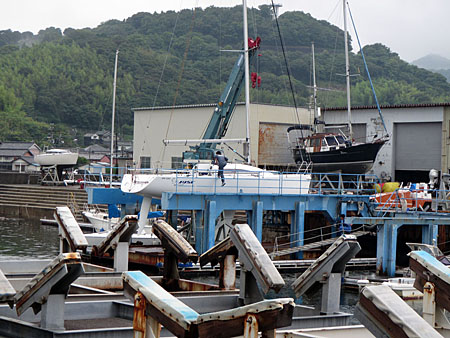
column 36, row 201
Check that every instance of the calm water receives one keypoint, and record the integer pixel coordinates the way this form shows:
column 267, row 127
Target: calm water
column 24, row 239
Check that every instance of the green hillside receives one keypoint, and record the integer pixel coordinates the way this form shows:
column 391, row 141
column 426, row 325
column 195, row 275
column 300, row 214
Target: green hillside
column 65, row 79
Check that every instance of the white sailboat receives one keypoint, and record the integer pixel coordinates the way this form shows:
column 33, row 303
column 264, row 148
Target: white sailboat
column 203, row 178
column 56, row 157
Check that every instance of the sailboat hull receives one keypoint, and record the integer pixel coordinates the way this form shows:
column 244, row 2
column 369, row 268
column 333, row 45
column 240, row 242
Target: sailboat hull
column 240, row 179
column 356, row 159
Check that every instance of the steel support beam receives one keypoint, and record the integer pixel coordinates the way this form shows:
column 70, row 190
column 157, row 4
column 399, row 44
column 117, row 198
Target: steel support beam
column 210, row 225
column 298, row 228
column 198, row 224
column 257, row 218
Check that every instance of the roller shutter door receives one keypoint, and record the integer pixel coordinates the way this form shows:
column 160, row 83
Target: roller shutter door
column 418, row 146
column 273, row 147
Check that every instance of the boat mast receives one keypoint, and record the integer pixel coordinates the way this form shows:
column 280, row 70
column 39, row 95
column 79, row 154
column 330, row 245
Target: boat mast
column 112, row 120
column 316, row 114
column 347, row 73
column 247, row 76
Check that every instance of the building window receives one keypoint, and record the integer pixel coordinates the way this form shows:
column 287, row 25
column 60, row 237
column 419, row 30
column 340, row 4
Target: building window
column 177, row 162
column 145, row 162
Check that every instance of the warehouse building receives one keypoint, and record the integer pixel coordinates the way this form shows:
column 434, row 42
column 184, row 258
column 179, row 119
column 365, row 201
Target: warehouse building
column 268, row 133
column 419, row 138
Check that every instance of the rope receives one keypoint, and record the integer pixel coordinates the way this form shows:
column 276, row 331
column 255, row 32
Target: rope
column 288, row 244
column 288, row 73
column 367, row 70
column 186, row 50
column 160, row 81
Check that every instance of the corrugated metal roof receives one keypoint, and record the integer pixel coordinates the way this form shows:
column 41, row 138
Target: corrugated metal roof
column 394, row 106
column 205, row 105
column 420, row 105
column 16, row 145
column 12, row 152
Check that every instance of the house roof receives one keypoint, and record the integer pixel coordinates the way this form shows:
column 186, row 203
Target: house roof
column 103, row 133
column 201, row 105
column 96, row 148
column 13, row 152
column 394, row 106
column 91, row 156
column 17, row 145
column 27, row 159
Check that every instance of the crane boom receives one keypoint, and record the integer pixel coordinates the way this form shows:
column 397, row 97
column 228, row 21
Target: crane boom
column 220, row 120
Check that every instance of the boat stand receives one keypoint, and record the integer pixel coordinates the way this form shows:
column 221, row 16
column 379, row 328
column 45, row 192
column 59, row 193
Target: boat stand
column 154, row 307
column 176, row 249
column 327, row 270
column 223, row 253
column 7, row 292
column 71, row 237
column 118, row 241
column 433, row 279
column 48, row 290
column 385, row 314
column 258, row 274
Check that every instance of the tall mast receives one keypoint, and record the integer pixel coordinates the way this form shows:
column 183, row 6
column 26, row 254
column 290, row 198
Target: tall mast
column 247, row 76
column 347, row 73
column 316, row 115
column 112, row 120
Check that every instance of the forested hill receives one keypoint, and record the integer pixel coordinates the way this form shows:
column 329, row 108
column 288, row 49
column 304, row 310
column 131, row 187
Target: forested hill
column 65, row 78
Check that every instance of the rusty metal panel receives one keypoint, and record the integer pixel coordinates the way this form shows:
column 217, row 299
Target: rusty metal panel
column 273, row 145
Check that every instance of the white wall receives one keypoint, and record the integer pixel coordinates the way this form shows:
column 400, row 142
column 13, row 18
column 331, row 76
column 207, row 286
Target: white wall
column 385, row 163
column 152, row 126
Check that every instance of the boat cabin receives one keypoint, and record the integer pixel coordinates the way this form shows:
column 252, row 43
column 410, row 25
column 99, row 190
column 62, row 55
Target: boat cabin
column 324, row 142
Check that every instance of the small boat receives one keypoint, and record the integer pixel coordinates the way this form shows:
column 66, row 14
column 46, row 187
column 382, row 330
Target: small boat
column 203, row 178
column 60, row 157
column 100, row 220
column 145, row 239
column 330, row 152
column 416, row 196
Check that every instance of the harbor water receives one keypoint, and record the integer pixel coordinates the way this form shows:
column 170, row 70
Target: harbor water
column 24, row 239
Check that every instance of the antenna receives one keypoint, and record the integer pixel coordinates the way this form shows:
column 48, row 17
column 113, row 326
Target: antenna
column 275, row 10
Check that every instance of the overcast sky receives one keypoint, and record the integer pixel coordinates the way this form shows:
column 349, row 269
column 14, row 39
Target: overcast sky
column 411, row 28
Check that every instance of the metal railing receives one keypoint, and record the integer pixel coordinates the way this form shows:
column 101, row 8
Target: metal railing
column 325, row 233
column 411, row 200
column 237, row 181
column 344, row 184
column 264, row 181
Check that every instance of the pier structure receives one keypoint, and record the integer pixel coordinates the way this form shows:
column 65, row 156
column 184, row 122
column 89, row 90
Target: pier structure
column 387, row 230
column 207, row 208
column 328, row 197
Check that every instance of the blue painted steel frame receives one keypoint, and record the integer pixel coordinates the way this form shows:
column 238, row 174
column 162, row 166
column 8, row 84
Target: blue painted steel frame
column 116, row 197
column 213, row 204
column 387, row 230
column 209, row 207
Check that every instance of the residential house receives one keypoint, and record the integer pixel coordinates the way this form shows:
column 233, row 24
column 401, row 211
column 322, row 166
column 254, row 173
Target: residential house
column 25, row 164
column 94, row 152
column 21, row 152
column 99, row 137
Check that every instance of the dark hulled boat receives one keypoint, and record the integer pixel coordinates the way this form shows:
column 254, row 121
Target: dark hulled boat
column 330, row 152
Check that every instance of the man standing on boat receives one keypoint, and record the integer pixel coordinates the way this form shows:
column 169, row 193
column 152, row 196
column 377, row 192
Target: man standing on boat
column 221, row 161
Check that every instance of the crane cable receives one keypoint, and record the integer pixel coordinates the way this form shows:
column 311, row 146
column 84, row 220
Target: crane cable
column 288, row 74
column 180, row 77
